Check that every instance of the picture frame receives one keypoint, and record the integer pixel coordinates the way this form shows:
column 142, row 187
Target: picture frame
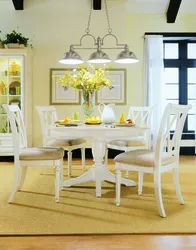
column 62, row 95
column 116, row 92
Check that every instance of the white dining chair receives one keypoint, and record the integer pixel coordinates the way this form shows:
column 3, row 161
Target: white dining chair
column 163, row 159
column 24, row 156
column 48, row 116
column 141, row 116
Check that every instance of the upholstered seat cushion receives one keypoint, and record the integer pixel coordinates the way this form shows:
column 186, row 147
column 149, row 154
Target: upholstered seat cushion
column 143, row 157
column 33, row 154
column 128, row 143
column 65, row 143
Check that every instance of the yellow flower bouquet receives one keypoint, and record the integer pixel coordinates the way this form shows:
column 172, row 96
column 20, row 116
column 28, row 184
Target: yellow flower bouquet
column 88, row 80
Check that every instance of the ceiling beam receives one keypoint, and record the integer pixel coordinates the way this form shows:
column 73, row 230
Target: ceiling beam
column 97, row 4
column 172, row 10
column 18, row 4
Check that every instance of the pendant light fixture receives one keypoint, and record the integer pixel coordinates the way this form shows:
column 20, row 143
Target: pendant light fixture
column 99, row 56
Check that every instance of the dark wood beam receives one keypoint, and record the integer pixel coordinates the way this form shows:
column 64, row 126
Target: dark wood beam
column 97, row 4
column 18, row 4
column 172, row 10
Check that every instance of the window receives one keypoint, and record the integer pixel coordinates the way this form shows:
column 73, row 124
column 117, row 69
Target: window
column 180, row 77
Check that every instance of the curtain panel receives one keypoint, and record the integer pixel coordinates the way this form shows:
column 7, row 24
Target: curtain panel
column 154, row 79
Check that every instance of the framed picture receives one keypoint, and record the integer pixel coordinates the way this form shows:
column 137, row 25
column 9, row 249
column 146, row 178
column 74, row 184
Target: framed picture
column 116, row 92
column 62, row 95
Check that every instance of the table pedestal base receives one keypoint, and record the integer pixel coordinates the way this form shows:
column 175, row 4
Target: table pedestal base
column 98, row 172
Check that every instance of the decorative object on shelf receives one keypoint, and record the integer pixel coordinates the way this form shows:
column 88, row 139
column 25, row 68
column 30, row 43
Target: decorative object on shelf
column 72, row 57
column 14, row 88
column 61, row 95
column 116, row 92
column 2, row 88
column 15, row 102
column 87, row 80
column 14, row 68
column 107, row 114
column 15, row 39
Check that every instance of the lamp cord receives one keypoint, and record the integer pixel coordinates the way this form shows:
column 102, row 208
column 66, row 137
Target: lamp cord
column 87, row 30
column 107, row 15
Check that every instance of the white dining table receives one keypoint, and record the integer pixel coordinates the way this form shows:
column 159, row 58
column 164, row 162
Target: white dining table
column 100, row 134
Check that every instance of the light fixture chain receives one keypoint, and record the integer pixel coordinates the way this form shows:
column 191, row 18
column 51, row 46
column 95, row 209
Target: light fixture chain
column 107, row 14
column 89, row 19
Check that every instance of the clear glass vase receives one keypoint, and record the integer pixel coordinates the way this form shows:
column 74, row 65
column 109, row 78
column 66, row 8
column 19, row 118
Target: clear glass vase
column 88, row 102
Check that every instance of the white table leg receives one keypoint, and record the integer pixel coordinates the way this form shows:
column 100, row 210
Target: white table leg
column 98, row 172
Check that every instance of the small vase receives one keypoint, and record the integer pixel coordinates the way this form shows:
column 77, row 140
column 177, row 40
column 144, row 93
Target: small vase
column 88, row 102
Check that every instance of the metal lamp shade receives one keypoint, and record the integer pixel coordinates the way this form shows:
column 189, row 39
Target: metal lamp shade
column 71, row 57
column 126, row 56
column 99, row 57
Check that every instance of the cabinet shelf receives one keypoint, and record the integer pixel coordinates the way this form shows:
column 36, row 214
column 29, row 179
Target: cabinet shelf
column 9, row 95
column 14, row 95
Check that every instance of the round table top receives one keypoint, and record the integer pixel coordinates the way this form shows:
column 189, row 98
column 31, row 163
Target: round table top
column 98, row 131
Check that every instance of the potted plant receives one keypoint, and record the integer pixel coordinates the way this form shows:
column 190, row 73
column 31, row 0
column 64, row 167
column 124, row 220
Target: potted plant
column 16, row 40
column 1, row 43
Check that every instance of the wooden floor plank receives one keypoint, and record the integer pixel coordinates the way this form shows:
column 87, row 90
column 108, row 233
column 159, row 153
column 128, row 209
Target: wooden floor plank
column 100, row 242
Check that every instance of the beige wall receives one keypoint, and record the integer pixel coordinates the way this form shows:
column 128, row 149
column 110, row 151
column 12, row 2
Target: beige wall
column 56, row 25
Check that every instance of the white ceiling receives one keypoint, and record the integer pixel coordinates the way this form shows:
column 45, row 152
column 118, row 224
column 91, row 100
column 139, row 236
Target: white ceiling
column 145, row 6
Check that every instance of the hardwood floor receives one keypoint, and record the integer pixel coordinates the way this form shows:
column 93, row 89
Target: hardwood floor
column 99, row 242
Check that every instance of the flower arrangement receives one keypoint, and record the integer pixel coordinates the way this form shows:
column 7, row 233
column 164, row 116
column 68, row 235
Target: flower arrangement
column 88, row 80
column 85, row 78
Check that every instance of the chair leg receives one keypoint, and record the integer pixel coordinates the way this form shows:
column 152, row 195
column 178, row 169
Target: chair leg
column 127, row 171
column 57, row 179
column 106, row 158
column 16, row 180
column 61, row 181
column 83, row 158
column 140, row 182
column 22, row 178
column 127, row 174
column 158, row 194
column 177, row 185
column 118, row 187
column 69, row 154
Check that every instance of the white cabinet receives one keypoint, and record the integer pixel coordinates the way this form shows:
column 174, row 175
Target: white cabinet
column 15, row 88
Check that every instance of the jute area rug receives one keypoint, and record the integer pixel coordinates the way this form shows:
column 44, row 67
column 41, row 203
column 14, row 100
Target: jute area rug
column 34, row 210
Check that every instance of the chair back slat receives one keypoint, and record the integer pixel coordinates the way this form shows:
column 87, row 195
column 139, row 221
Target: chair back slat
column 173, row 120
column 140, row 115
column 48, row 116
column 19, row 135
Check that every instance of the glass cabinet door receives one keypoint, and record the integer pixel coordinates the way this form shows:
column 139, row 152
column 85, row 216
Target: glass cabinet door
column 10, row 87
column 11, row 82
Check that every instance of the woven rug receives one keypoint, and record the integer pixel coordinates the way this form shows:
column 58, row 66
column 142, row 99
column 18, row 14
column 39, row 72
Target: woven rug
column 34, row 210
